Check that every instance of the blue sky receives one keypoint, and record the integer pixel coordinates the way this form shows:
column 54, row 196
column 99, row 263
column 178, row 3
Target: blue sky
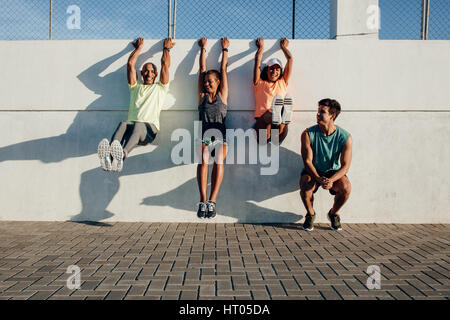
column 124, row 19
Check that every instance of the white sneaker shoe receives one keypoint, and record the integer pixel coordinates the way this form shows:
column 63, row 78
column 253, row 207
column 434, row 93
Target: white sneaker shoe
column 104, row 155
column 277, row 106
column 117, row 155
column 288, row 106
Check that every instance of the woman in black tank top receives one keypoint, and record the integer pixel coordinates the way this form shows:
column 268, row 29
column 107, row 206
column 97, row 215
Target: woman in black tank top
column 212, row 107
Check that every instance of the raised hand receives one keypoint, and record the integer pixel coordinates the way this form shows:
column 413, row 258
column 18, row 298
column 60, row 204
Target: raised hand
column 225, row 43
column 260, row 43
column 284, row 43
column 168, row 43
column 139, row 43
column 202, row 42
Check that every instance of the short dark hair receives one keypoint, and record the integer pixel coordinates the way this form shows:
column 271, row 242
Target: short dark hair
column 263, row 75
column 154, row 68
column 333, row 105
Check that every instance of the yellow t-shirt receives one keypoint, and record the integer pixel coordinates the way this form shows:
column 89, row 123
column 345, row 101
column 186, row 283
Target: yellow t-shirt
column 265, row 91
column 146, row 102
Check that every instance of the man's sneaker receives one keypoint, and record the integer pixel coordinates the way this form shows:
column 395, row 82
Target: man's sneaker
column 308, row 225
column 277, row 106
column 211, row 209
column 288, row 105
column 104, row 154
column 335, row 221
column 117, row 155
column 202, row 210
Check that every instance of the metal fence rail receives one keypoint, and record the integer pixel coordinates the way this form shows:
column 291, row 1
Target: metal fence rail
column 124, row 19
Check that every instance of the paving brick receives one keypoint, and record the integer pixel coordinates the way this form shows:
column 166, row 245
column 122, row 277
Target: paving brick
column 229, row 261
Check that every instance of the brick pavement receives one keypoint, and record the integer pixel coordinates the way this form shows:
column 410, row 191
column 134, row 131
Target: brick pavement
column 222, row 261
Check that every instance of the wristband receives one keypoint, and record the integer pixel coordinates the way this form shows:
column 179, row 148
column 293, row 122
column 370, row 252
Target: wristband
column 165, row 48
column 225, row 49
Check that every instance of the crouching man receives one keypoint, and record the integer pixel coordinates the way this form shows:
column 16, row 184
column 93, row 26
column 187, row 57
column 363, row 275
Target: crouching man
column 327, row 153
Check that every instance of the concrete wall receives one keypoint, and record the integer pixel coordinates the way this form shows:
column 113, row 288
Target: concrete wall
column 58, row 99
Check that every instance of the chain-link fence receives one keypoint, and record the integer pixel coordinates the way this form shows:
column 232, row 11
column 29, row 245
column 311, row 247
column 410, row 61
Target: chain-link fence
column 123, row 19
column 439, row 21
column 24, row 20
column 312, row 19
column 400, row 19
column 109, row 19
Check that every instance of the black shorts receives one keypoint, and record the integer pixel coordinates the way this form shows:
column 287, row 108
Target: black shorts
column 327, row 174
column 150, row 136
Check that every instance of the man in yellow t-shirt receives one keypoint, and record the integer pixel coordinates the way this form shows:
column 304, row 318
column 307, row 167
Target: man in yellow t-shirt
column 146, row 100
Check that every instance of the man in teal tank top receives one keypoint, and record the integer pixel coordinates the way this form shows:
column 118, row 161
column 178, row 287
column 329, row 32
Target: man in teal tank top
column 327, row 154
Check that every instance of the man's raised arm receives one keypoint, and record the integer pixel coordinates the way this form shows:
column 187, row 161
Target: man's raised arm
column 131, row 70
column 165, row 61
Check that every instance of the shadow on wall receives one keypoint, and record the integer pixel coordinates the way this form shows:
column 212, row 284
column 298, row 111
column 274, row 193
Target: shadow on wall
column 242, row 188
column 242, row 183
column 71, row 144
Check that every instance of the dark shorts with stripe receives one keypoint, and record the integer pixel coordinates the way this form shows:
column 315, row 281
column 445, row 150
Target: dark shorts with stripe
column 327, row 174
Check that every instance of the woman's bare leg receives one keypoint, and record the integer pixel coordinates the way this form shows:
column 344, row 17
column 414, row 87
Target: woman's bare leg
column 217, row 173
column 202, row 173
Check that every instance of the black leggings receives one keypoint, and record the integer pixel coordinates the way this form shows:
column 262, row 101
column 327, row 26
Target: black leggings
column 130, row 134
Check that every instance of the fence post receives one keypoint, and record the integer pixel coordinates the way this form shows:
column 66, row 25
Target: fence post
column 293, row 19
column 170, row 19
column 50, row 20
column 174, row 18
column 353, row 19
column 425, row 19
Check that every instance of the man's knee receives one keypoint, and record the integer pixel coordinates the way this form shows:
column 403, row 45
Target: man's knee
column 307, row 184
column 344, row 187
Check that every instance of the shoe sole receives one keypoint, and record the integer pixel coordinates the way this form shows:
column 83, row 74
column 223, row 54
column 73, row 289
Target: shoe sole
column 306, row 229
column 288, row 105
column 117, row 154
column 103, row 154
column 277, row 106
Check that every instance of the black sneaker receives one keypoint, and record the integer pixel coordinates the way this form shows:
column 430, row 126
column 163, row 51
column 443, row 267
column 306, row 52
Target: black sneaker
column 335, row 221
column 308, row 225
column 202, row 210
column 211, row 209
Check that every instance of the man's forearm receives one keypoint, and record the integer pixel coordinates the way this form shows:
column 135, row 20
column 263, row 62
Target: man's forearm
column 165, row 59
column 339, row 174
column 133, row 57
column 312, row 170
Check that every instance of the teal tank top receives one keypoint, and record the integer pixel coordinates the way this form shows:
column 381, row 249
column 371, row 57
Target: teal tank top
column 327, row 149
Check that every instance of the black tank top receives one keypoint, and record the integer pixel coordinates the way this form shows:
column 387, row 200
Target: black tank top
column 213, row 114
